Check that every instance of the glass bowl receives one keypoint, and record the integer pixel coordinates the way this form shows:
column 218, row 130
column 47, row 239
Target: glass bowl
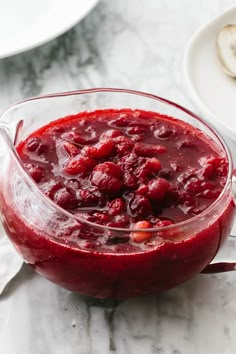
column 32, row 220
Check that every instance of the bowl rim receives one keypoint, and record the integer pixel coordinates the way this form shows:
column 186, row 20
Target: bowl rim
column 213, row 130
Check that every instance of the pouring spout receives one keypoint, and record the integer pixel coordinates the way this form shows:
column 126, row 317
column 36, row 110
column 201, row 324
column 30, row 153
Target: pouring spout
column 6, row 134
column 4, row 130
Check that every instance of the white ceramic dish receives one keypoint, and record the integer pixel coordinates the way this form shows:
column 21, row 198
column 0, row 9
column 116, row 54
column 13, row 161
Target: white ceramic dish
column 26, row 24
column 213, row 91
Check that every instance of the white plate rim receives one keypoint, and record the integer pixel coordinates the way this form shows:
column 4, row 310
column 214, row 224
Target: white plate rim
column 53, row 34
column 187, row 70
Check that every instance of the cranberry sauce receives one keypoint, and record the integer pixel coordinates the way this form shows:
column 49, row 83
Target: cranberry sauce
column 129, row 169
column 116, row 168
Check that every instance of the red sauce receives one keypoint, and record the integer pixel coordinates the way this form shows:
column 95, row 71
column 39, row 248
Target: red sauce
column 127, row 169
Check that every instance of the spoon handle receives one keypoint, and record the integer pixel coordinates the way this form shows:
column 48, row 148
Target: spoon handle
column 220, row 267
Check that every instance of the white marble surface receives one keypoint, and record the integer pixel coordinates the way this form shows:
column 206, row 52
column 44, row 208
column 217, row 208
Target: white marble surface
column 132, row 44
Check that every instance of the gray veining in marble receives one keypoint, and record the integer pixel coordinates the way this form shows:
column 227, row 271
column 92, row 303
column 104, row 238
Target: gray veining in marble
column 130, row 44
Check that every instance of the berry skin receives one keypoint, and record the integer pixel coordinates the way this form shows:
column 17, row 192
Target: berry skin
column 130, row 181
column 142, row 189
column 141, row 236
column 65, row 198
column 36, row 145
column 116, row 206
column 123, row 145
column 100, row 150
column 122, row 121
column 88, row 197
column 129, row 162
column 140, row 206
column 79, row 165
column 70, row 148
column 120, row 221
column 153, row 165
column 36, row 172
column 107, row 177
column 157, row 189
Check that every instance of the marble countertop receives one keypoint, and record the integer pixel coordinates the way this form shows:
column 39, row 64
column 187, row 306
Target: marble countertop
column 130, row 44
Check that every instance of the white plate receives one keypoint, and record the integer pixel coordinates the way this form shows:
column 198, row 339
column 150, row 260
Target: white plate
column 212, row 90
column 25, row 24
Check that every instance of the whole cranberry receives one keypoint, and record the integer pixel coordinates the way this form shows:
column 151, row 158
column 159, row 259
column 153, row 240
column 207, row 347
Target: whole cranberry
column 207, row 172
column 116, row 206
column 50, row 187
column 88, row 197
column 130, row 181
column 36, row 145
column 129, row 162
column 70, row 148
column 153, row 164
column 142, row 189
column 103, row 148
column 107, row 177
column 65, row 198
column 124, row 145
column 140, row 206
column 171, row 197
column 157, row 189
column 148, row 170
column 141, row 236
column 79, row 165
